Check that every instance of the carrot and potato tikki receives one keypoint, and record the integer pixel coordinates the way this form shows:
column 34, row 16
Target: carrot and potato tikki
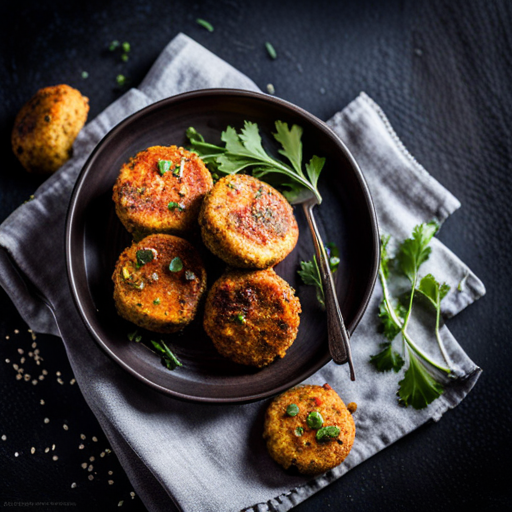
column 160, row 190
column 310, row 428
column 158, row 283
column 247, row 223
column 252, row 316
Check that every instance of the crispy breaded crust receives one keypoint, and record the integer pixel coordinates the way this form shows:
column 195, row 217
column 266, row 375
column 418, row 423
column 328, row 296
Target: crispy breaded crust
column 310, row 456
column 248, row 223
column 142, row 194
column 252, row 317
column 46, row 127
column 151, row 295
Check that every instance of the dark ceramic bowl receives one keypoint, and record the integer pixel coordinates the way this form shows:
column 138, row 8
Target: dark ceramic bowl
column 95, row 238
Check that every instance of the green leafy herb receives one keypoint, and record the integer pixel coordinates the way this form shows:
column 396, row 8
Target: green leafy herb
column 125, row 57
column 157, row 301
column 419, row 387
column 164, row 166
column 205, row 24
column 327, row 433
column 173, row 206
column 292, row 410
column 176, row 264
column 126, row 47
column 135, row 336
column 299, row 431
column 113, row 45
column 144, row 256
column 240, row 319
column 310, row 271
column 271, row 51
column 85, row 75
column 168, row 358
column 121, row 80
column 244, row 151
column 314, row 420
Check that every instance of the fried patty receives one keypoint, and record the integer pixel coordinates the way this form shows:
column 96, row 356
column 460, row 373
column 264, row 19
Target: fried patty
column 158, row 283
column 310, row 445
column 160, row 190
column 252, row 316
column 46, row 127
column 248, row 223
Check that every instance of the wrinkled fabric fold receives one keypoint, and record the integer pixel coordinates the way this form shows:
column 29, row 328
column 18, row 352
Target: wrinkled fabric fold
column 215, row 458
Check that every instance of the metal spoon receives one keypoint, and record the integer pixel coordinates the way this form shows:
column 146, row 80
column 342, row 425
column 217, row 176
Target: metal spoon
column 339, row 341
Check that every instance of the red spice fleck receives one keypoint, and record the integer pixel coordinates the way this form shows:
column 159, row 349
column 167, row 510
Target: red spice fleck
column 317, row 401
column 326, row 386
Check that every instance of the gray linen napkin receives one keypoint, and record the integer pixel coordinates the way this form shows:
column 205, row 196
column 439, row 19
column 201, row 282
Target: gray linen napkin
column 212, row 458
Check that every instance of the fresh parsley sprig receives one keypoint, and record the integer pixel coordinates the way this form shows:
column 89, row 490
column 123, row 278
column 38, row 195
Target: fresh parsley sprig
column 244, row 151
column 168, row 358
column 419, row 387
column 310, row 271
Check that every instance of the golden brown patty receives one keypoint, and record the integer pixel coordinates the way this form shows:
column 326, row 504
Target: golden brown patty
column 248, row 223
column 252, row 317
column 158, row 283
column 161, row 198
column 310, row 445
column 46, row 127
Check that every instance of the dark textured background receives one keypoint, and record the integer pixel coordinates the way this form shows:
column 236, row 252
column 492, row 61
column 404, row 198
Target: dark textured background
column 441, row 72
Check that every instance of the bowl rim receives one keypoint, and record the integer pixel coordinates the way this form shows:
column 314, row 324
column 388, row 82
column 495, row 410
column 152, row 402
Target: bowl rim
column 199, row 94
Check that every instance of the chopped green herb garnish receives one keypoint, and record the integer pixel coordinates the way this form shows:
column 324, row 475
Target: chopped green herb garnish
column 124, row 57
column 205, row 24
column 271, row 51
column 156, row 302
column 419, row 387
column 135, row 336
column 189, row 275
column 173, row 206
column 121, row 80
column 113, row 45
column 85, row 75
column 240, row 319
column 244, row 151
column 144, row 256
column 258, row 193
column 176, row 265
column 326, row 433
column 292, row 410
column 168, row 358
column 314, row 420
column 299, row 431
column 310, row 271
column 126, row 47
column 164, row 166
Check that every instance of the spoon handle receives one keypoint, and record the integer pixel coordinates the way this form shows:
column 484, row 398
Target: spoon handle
column 339, row 341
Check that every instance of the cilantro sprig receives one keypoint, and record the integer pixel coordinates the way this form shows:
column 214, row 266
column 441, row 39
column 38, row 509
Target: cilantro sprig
column 420, row 385
column 168, row 358
column 243, row 151
column 310, row 271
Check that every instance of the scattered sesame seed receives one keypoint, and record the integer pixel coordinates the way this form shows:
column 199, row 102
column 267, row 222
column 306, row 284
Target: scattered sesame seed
column 44, row 372
column 16, row 331
column 15, row 366
column 73, row 485
column 65, row 427
column 60, row 381
column 72, row 381
column 132, row 494
column 46, row 420
column 41, row 377
column 7, row 361
column 90, row 468
column 55, row 457
column 31, row 354
column 41, row 401
column 95, row 439
column 22, row 360
column 32, row 450
column 34, row 381
column 7, row 337
column 82, row 436
column 16, row 454
column 91, row 459
column 46, row 450
column 58, row 374
column 110, row 472
column 91, row 477
column 110, row 482
column 34, row 345
column 108, row 451
column 27, row 377
column 81, row 447
column 53, row 447
column 102, row 454
column 19, row 376
column 271, row 89
column 84, row 465
column 120, row 504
